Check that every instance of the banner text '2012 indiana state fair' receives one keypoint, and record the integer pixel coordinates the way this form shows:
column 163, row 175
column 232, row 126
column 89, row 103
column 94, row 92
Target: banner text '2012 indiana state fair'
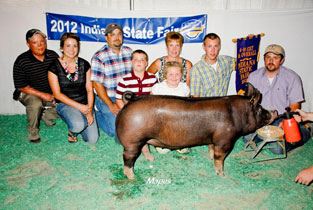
column 135, row 30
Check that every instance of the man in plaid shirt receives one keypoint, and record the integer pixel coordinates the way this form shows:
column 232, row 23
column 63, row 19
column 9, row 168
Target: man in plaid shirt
column 108, row 65
column 210, row 76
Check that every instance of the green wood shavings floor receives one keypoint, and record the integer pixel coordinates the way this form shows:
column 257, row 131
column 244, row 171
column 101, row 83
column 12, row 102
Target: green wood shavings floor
column 57, row 175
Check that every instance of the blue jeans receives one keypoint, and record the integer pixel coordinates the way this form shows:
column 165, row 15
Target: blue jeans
column 106, row 119
column 77, row 123
column 305, row 136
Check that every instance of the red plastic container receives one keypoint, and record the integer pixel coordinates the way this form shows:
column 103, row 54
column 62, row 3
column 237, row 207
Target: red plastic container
column 291, row 129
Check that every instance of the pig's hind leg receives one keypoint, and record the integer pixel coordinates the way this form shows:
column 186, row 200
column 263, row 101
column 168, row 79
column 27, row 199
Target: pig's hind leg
column 146, row 153
column 130, row 155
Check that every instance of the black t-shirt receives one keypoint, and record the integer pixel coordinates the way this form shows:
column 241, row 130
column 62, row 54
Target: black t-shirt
column 75, row 90
column 28, row 70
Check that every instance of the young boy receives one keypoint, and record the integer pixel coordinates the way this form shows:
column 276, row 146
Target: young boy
column 138, row 81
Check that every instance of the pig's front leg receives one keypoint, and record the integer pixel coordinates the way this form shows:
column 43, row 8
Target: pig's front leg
column 211, row 151
column 219, row 157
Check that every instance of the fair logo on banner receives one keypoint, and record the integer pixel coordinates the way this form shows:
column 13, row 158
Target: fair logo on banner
column 136, row 30
column 192, row 29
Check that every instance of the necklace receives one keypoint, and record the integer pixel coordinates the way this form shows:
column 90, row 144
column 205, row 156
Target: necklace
column 68, row 73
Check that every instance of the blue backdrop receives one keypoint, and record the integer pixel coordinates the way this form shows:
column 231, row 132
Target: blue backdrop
column 135, row 30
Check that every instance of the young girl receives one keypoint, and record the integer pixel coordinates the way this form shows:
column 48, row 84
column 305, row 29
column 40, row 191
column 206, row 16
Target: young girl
column 172, row 85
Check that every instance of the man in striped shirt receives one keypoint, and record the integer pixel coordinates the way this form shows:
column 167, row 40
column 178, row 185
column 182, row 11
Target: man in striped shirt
column 138, row 81
column 211, row 75
column 108, row 65
column 30, row 75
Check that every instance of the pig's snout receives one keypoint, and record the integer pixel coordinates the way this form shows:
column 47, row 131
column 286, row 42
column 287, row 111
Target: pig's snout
column 274, row 115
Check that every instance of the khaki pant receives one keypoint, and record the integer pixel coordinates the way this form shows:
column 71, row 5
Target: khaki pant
column 36, row 108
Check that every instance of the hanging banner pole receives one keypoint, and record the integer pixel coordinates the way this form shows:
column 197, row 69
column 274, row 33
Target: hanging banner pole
column 245, row 38
column 247, row 59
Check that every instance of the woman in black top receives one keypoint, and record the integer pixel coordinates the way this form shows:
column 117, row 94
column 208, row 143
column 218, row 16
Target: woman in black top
column 69, row 78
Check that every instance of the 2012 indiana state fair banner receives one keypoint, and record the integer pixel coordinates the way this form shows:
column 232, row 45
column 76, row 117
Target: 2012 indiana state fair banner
column 135, row 30
column 247, row 60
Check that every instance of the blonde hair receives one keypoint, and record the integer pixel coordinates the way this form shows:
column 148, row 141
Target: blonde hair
column 172, row 64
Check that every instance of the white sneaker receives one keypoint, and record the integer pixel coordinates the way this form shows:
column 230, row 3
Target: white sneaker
column 162, row 151
column 184, row 151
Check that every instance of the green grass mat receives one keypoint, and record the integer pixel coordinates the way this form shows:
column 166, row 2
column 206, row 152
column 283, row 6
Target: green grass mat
column 55, row 174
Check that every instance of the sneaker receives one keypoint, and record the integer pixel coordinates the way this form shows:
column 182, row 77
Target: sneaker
column 162, row 151
column 184, row 151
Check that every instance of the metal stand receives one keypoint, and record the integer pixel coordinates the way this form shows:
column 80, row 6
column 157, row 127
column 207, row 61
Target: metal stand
column 263, row 145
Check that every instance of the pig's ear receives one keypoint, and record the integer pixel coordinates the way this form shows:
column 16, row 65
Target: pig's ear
column 256, row 98
column 249, row 90
column 253, row 93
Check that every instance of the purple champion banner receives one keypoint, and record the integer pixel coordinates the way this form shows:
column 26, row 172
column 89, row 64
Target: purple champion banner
column 247, row 60
column 135, row 30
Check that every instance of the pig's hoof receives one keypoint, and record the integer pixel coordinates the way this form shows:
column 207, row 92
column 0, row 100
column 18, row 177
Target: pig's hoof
column 150, row 157
column 131, row 177
column 211, row 156
column 129, row 173
column 220, row 173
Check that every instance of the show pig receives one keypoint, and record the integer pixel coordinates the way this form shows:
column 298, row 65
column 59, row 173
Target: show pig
column 178, row 122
